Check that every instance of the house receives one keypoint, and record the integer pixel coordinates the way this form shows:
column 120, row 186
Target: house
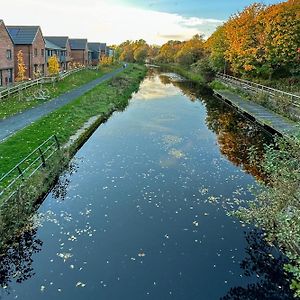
column 51, row 50
column 110, row 52
column 103, row 49
column 30, row 40
column 95, row 53
column 63, row 43
column 80, row 51
column 6, row 56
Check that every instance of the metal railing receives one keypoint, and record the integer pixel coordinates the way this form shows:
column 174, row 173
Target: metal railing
column 10, row 182
column 258, row 88
column 29, row 83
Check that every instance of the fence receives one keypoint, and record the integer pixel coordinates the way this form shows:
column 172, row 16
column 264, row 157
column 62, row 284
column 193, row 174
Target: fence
column 10, row 182
column 27, row 84
column 258, row 88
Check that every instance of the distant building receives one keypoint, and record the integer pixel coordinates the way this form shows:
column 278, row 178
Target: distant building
column 6, row 56
column 95, row 53
column 110, row 52
column 80, row 51
column 30, row 40
column 102, row 49
column 64, row 50
column 51, row 50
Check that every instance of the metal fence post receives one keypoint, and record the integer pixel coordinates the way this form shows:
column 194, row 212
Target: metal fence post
column 42, row 157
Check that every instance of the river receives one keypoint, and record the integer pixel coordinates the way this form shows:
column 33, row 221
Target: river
column 142, row 212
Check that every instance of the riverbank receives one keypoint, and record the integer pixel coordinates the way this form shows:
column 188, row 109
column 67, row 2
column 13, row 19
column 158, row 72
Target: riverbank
column 96, row 105
column 17, row 103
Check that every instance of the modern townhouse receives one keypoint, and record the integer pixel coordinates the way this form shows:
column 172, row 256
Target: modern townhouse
column 30, row 40
column 6, row 56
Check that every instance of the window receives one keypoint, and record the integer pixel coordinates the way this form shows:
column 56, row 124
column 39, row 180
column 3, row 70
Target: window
column 49, row 53
column 8, row 54
column 42, row 52
column 35, row 52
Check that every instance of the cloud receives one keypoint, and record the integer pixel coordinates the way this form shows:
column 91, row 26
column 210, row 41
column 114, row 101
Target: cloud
column 98, row 20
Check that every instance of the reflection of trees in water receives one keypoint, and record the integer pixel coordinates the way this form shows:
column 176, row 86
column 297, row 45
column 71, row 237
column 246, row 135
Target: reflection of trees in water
column 235, row 134
column 274, row 282
column 60, row 190
column 16, row 262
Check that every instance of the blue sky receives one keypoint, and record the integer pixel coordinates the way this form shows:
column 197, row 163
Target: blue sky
column 115, row 21
column 215, row 9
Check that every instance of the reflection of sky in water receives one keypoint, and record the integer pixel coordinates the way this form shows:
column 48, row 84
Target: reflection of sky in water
column 143, row 216
column 151, row 88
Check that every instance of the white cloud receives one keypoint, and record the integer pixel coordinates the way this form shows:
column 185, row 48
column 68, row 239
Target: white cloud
column 98, row 20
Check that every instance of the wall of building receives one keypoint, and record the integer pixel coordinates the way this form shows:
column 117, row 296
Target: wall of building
column 6, row 65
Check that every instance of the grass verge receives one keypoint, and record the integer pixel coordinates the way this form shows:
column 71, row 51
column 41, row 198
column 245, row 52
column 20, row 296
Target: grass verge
column 17, row 103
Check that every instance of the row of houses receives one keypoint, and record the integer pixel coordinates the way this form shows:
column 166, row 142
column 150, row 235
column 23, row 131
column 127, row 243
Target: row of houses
column 37, row 49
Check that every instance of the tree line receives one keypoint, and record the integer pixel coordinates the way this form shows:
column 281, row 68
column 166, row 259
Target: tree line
column 261, row 41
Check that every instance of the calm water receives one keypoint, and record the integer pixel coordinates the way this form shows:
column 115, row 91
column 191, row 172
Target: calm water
column 141, row 214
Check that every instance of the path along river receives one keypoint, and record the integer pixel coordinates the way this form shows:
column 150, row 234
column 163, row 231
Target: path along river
column 142, row 212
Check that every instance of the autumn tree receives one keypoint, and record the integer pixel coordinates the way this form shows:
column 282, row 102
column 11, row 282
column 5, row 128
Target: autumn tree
column 21, row 75
column 53, row 67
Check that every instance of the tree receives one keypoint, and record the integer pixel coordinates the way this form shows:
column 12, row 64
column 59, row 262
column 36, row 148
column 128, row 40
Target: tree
column 21, row 75
column 140, row 54
column 53, row 67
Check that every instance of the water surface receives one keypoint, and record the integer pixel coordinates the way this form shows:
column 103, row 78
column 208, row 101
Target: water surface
column 142, row 213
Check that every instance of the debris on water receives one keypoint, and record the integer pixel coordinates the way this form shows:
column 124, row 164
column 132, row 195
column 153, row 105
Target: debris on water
column 80, row 284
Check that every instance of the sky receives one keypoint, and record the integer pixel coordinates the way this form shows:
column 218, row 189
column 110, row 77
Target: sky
column 114, row 21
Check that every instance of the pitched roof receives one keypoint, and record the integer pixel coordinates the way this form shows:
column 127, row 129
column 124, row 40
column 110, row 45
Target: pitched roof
column 94, row 47
column 78, row 44
column 60, row 41
column 50, row 45
column 23, row 35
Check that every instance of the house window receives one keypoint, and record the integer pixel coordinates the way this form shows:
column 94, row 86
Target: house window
column 8, row 54
column 35, row 52
column 10, row 75
column 49, row 52
column 42, row 52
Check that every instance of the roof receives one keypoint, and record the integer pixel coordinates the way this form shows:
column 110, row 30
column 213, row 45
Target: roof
column 102, row 46
column 94, row 47
column 2, row 22
column 78, row 44
column 60, row 41
column 23, row 35
column 50, row 45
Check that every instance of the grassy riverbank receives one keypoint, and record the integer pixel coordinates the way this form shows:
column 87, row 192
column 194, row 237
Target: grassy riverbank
column 100, row 103
column 65, row 121
column 17, row 103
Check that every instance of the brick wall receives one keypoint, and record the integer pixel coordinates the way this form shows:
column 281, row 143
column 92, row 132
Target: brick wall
column 6, row 65
column 33, row 60
column 80, row 56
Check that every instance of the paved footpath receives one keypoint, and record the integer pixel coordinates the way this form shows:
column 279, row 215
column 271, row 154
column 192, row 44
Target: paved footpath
column 262, row 115
column 19, row 121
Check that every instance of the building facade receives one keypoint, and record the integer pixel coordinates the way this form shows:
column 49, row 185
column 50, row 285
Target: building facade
column 30, row 40
column 6, row 56
column 79, row 51
column 95, row 53
column 62, row 43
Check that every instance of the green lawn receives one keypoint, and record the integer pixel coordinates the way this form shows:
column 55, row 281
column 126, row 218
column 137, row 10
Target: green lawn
column 65, row 121
column 17, row 103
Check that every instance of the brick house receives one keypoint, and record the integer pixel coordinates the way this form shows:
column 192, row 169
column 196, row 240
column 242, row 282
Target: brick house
column 6, row 56
column 95, row 53
column 80, row 51
column 103, row 49
column 30, row 40
column 63, row 43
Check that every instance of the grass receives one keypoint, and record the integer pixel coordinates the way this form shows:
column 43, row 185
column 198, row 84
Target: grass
column 64, row 122
column 17, row 103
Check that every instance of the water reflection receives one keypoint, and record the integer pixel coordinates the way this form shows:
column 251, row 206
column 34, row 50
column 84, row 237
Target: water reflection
column 143, row 218
column 263, row 261
column 16, row 261
column 235, row 134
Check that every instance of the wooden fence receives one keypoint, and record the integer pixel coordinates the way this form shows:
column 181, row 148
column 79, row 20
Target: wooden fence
column 27, row 84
